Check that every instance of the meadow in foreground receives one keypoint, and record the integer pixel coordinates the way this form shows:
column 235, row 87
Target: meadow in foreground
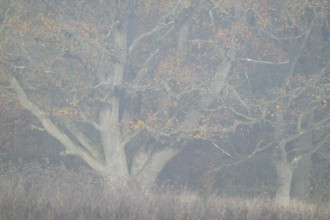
column 35, row 192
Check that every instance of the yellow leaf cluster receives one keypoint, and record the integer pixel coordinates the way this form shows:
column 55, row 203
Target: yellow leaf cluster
column 142, row 124
column 207, row 128
column 138, row 124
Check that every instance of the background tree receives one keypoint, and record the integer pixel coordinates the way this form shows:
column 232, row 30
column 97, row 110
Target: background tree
column 288, row 80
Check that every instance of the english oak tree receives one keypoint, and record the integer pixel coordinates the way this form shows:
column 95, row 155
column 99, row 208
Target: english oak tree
column 125, row 84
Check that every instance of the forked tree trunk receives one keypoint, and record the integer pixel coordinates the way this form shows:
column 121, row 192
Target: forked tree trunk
column 114, row 162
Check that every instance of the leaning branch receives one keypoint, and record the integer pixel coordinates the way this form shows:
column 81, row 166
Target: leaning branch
column 141, row 37
column 71, row 147
column 256, row 150
column 88, row 121
column 83, row 140
column 264, row 61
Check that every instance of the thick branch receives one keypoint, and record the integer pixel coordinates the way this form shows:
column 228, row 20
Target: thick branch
column 155, row 164
column 71, row 147
column 83, row 140
column 88, row 121
column 130, row 137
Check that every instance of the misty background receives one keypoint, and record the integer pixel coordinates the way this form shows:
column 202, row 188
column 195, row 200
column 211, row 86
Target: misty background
column 227, row 97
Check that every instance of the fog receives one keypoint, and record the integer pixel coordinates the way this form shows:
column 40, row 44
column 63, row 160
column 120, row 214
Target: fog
column 214, row 97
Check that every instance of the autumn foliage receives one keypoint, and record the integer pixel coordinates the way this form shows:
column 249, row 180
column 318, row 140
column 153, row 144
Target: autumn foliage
column 167, row 72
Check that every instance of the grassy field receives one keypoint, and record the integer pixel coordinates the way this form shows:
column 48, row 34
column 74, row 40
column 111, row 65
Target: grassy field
column 35, row 192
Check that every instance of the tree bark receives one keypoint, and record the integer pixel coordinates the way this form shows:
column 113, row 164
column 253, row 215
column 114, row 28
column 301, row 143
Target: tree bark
column 301, row 174
column 284, row 173
column 114, row 151
column 109, row 118
column 154, row 165
column 282, row 165
column 301, row 179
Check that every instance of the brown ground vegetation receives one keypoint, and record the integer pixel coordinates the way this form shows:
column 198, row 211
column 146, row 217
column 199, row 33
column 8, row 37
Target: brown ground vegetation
column 35, row 192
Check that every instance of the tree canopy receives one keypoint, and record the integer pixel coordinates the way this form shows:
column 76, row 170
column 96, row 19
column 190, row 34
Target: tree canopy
column 124, row 85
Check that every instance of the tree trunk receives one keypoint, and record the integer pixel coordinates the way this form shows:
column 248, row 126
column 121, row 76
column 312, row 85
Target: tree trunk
column 284, row 173
column 301, row 179
column 154, row 165
column 282, row 165
column 114, row 151
column 301, row 175
column 109, row 119
column 292, row 176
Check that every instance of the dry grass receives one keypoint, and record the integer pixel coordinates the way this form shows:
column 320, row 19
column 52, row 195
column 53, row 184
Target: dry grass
column 33, row 192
